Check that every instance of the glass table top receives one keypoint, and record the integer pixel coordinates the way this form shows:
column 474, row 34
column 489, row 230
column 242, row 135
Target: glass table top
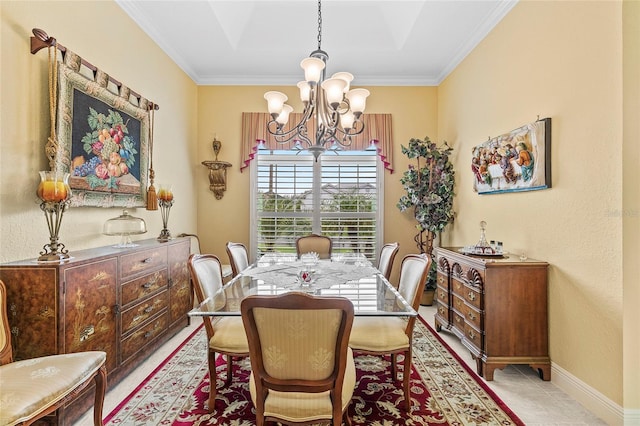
column 352, row 277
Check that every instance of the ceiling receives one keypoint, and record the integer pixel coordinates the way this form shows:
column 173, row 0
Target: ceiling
column 261, row 42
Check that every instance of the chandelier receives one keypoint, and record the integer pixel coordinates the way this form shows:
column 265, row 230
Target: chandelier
column 337, row 109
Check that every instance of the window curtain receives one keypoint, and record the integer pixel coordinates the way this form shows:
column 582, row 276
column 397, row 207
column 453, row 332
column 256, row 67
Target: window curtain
column 377, row 131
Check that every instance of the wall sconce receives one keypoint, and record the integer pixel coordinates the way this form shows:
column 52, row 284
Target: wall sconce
column 217, row 172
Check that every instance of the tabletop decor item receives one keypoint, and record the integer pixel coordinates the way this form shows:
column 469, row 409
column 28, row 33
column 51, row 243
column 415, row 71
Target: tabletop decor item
column 429, row 186
column 54, row 193
column 124, row 226
column 483, row 247
column 165, row 200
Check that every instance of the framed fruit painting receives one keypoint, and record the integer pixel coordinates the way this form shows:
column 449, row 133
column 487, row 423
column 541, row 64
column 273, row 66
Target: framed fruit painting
column 103, row 138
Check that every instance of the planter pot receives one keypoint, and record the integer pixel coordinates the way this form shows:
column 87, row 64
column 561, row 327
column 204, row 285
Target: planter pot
column 427, row 297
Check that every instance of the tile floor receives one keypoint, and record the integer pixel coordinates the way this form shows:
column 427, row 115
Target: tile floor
column 536, row 402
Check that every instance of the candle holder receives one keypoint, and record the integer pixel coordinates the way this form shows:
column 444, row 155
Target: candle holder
column 55, row 194
column 165, row 201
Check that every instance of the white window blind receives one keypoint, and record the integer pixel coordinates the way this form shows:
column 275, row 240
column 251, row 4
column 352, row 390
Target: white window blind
column 338, row 196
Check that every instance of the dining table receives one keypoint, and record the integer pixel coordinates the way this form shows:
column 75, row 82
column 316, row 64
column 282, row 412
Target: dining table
column 348, row 275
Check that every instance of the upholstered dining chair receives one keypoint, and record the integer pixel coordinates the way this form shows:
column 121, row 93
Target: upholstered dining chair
column 33, row 388
column 238, row 257
column 302, row 368
column 320, row 244
column 226, row 334
column 387, row 256
column 394, row 335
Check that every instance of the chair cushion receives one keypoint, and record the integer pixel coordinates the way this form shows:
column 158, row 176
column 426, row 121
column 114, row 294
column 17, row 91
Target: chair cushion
column 378, row 334
column 229, row 335
column 226, row 270
column 300, row 406
column 32, row 385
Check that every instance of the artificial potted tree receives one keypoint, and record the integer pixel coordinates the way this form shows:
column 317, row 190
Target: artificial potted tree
column 429, row 186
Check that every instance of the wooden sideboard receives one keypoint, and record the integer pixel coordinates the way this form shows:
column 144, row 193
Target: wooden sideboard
column 124, row 301
column 497, row 307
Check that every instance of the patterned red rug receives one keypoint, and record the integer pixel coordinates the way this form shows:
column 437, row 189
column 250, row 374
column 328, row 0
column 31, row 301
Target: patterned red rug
column 444, row 391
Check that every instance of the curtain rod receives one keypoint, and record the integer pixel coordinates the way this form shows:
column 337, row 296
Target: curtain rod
column 41, row 39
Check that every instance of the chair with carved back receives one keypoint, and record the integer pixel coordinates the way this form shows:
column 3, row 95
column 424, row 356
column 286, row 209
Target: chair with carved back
column 387, row 256
column 394, row 335
column 225, row 334
column 315, row 243
column 302, row 368
column 33, row 388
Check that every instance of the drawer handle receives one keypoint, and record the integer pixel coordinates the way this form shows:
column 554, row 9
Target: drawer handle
column 472, row 335
column 149, row 309
column 148, row 334
column 442, row 295
column 441, row 310
column 472, row 317
column 472, row 296
column 440, row 280
column 147, row 260
column 458, row 320
column 147, row 285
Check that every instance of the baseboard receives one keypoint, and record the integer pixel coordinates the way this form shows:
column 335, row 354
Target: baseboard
column 610, row 412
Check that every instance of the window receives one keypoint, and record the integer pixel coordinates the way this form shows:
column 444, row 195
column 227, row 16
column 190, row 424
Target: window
column 339, row 196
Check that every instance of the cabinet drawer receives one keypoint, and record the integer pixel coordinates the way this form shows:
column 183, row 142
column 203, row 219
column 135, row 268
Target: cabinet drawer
column 472, row 335
column 473, row 297
column 442, row 280
column 139, row 313
column 141, row 337
column 474, row 317
column 443, row 311
column 442, row 295
column 140, row 262
column 458, row 321
column 457, row 287
column 143, row 286
column 458, row 304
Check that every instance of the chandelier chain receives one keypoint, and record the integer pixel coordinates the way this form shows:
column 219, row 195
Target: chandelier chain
column 319, row 24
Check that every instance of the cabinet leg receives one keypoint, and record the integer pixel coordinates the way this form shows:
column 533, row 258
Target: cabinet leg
column 437, row 325
column 544, row 371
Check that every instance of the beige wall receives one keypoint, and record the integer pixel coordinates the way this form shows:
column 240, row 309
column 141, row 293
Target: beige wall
column 414, row 112
column 89, row 29
column 631, row 202
column 561, row 60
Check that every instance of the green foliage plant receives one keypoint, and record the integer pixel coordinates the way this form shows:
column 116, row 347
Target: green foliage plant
column 429, row 186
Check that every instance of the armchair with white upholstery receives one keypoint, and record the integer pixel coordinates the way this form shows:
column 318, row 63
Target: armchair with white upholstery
column 387, row 256
column 33, row 388
column 226, row 334
column 238, row 257
column 394, row 335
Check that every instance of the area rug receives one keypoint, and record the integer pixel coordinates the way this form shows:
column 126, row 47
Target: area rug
column 444, row 391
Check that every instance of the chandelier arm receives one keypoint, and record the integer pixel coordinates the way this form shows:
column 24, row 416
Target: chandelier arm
column 282, row 137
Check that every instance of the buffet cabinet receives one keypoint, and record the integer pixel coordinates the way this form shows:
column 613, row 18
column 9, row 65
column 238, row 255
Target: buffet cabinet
column 124, row 301
column 497, row 306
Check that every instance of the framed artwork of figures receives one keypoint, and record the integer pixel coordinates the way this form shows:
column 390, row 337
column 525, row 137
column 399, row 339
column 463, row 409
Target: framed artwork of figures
column 516, row 161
